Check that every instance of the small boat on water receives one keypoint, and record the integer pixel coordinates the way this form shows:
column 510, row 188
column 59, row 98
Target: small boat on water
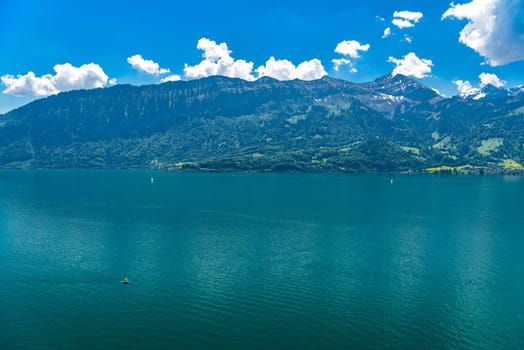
column 125, row 281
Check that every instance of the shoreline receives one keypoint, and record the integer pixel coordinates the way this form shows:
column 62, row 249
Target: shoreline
column 443, row 170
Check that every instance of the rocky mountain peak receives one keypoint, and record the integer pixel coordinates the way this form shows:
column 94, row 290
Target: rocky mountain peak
column 402, row 86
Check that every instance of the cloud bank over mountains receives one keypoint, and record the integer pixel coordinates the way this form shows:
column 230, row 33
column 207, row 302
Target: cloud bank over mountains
column 217, row 60
column 494, row 29
column 285, row 70
column 466, row 89
column 67, row 77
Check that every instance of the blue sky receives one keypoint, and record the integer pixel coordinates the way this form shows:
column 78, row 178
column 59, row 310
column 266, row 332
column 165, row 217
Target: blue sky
column 85, row 44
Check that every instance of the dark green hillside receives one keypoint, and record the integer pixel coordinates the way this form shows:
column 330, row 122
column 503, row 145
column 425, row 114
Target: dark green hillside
column 393, row 123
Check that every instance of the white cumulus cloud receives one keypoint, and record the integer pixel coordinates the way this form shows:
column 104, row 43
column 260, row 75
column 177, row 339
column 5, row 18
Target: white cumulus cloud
column 412, row 65
column 387, row 33
column 310, row 70
column 29, row 84
column 351, row 48
column 218, row 61
column 495, row 28
column 491, row 79
column 465, row 88
column 406, row 19
column 172, row 77
column 278, row 69
column 339, row 62
column 286, row 70
column 67, row 77
column 413, row 16
column 402, row 23
column 147, row 66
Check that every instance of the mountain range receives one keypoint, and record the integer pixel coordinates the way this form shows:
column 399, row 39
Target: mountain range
column 394, row 123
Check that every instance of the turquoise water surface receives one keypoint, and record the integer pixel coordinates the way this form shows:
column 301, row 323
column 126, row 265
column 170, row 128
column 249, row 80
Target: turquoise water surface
column 260, row 261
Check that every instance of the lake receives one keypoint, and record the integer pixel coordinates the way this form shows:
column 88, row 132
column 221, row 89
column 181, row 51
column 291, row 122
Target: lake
column 260, row 261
